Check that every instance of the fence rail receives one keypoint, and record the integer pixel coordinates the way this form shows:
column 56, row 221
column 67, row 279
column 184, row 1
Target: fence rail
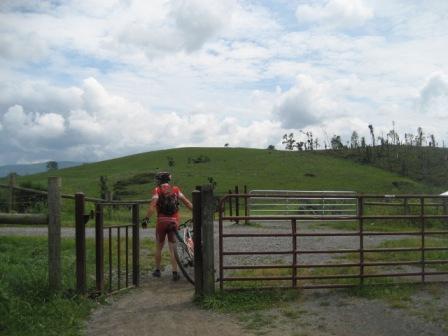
column 358, row 272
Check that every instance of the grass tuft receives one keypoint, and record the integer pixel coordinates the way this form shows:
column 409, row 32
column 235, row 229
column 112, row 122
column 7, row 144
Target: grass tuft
column 248, row 300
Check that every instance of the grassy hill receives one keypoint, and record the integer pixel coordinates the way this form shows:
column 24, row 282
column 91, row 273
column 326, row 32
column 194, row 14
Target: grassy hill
column 131, row 176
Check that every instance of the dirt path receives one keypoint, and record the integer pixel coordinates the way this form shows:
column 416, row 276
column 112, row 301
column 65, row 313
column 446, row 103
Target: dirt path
column 159, row 307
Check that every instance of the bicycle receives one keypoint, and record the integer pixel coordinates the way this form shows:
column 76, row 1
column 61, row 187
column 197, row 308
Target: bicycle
column 184, row 249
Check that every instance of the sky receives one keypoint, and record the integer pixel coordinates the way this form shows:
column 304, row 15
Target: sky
column 89, row 80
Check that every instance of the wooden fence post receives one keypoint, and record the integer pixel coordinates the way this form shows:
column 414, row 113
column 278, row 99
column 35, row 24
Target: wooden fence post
column 80, row 221
column 237, row 204
column 246, row 206
column 197, row 238
column 54, row 232
column 12, row 184
column 99, row 243
column 207, row 212
column 204, row 261
column 445, row 208
column 230, row 204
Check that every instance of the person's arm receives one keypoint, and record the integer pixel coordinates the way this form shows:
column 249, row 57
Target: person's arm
column 151, row 208
column 186, row 201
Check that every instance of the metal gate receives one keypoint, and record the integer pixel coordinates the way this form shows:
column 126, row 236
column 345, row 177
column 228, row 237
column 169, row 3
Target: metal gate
column 274, row 202
column 117, row 244
column 390, row 237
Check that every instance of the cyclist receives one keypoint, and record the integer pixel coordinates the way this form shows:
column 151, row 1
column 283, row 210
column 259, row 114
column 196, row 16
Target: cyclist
column 165, row 202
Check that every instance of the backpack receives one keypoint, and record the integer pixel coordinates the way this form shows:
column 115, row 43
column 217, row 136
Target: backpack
column 168, row 203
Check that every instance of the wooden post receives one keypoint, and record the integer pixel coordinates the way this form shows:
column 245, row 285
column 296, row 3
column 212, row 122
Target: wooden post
column 360, row 215
column 109, row 198
column 197, row 238
column 135, row 245
column 422, row 229
column 99, row 242
column 246, row 207
column 294, row 252
column 208, row 251
column 54, row 232
column 12, row 184
column 445, row 208
column 230, row 204
column 80, row 221
column 237, row 204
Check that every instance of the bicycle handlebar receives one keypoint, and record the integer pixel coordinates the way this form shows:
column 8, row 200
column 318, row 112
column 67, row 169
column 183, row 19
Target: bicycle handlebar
column 186, row 223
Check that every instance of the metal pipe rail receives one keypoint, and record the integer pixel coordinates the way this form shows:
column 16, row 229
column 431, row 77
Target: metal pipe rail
column 422, row 261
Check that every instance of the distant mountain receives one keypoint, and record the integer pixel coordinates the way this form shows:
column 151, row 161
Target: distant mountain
column 34, row 168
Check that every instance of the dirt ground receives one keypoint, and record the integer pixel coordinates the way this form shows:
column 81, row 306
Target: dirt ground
column 163, row 307
column 159, row 307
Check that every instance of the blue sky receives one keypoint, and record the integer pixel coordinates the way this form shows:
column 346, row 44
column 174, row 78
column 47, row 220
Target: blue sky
column 91, row 80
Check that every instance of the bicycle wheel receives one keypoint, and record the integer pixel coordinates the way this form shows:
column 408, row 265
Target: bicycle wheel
column 184, row 258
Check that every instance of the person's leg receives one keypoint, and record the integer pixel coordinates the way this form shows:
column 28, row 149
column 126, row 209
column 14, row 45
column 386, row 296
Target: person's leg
column 160, row 239
column 172, row 257
column 172, row 246
column 158, row 254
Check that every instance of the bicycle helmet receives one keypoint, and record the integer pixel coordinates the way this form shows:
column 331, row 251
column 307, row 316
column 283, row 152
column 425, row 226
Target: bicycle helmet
column 163, row 177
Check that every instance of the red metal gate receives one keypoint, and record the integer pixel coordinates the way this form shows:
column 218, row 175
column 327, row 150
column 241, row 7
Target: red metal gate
column 375, row 234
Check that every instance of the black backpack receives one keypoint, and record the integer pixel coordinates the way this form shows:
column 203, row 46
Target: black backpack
column 168, row 203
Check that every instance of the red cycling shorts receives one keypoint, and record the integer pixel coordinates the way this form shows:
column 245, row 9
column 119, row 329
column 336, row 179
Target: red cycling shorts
column 166, row 227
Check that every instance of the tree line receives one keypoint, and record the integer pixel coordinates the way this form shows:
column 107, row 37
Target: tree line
column 306, row 140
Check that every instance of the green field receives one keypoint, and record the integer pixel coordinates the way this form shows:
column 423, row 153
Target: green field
column 256, row 168
column 27, row 306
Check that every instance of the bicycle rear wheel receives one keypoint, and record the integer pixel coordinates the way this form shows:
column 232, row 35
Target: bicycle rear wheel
column 185, row 259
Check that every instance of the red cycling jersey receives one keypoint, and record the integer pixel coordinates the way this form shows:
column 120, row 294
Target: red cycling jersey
column 166, row 223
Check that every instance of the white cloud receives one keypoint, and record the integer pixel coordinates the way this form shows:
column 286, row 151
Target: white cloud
column 179, row 25
column 433, row 98
column 104, row 125
column 303, row 105
column 200, row 20
column 35, row 126
column 336, row 13
column 22, row 46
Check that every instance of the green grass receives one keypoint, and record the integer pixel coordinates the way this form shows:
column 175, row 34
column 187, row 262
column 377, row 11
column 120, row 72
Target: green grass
column 406, row 256
column 27, row 307
column 248, row 300
column 396, row 295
